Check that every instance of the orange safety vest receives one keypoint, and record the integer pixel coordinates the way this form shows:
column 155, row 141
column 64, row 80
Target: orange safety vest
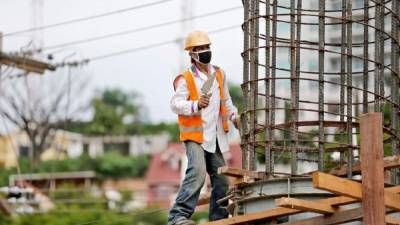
column 191, row 126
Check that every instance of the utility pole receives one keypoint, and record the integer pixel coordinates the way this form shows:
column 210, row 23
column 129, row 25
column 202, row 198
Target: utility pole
column 3, row 206
column 29, row 65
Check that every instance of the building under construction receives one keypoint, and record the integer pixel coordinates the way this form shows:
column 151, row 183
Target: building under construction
column 321, row 92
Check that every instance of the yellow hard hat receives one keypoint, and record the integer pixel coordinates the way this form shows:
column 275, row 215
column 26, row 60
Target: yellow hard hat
column 196, row 38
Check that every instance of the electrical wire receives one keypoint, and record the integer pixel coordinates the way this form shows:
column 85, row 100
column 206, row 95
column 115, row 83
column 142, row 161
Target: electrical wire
column 131, row 31
column 86, row 18
column 113, row 54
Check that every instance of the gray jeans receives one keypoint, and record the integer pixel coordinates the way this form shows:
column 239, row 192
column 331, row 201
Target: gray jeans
column 200, row 162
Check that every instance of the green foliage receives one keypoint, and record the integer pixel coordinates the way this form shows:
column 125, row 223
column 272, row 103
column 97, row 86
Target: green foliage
column 119, row 113
column 4, row 220
column 69, row 214
column 114, row 165
column 171, row 128
column 79, row 217
column 237, row 95
column 113, row 110
column 287, row 118
column 110, row 165
column 149, row 217
column 200, row 217
column 115, row 113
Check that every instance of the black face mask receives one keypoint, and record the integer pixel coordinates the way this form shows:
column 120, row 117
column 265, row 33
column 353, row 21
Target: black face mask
column 204, row 57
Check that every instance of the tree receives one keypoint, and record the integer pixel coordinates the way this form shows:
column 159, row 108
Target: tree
column 237, row 95
column 37, row 105
column 116, row 113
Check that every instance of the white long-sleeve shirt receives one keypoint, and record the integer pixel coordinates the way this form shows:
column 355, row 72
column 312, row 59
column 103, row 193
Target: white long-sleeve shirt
column 212, row 123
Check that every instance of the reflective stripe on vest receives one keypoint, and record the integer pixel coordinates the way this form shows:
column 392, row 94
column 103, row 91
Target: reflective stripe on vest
column 190, row 129
column 191, row 126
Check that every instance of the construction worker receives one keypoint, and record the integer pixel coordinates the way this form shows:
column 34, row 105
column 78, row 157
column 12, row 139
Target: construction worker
column 203, row 123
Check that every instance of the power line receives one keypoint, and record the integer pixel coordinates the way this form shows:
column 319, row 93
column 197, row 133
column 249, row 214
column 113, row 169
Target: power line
column 85, row 18
column 113, row 54
column 132, row 30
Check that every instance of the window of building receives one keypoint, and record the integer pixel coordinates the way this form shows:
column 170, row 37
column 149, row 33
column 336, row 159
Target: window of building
column 23, row 151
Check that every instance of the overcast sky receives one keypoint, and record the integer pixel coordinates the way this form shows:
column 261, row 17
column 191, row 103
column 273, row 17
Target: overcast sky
column 149, row 72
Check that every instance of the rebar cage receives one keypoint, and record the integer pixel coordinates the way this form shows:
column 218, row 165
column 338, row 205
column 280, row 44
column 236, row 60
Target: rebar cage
column 310, row 68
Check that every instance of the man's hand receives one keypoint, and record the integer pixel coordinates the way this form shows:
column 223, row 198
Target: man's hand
column 203, row 102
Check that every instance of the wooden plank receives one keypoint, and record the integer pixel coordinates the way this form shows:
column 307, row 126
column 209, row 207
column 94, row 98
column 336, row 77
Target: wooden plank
column 304, row 205
column 395, row 189
column 277, row 212
column 350, row 188
column 390, row 220
column 235, row 172
column 389, row 162
column 373, row 202
column 339, row 217
column 240, row 181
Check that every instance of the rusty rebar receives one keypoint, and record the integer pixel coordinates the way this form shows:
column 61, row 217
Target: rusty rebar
column 297, row 111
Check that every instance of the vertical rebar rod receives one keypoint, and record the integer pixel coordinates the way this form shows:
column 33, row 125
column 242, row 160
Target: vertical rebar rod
column 365, row 55
column 268, row 167
column 349, row 93
column 273, row 74
column 298, row 60
column 395, row 56
column 343, row 75
column 293, row 80
column 377, row 73
column 245, row 86
column 255, row 78
column 381, row 45
column 321, row 69
column 253, row 84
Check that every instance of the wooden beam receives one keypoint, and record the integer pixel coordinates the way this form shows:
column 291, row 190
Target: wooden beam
column 277, row 212
column 235, row 172
column 339, row 217
column 395, row 189
column 242, row 176
column 389, row 162
column 373, row 203
column 390, row 220
column 304, row 205
column 350, row 188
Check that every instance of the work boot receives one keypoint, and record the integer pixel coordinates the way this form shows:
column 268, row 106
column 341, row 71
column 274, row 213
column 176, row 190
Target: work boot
column 185, row 222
